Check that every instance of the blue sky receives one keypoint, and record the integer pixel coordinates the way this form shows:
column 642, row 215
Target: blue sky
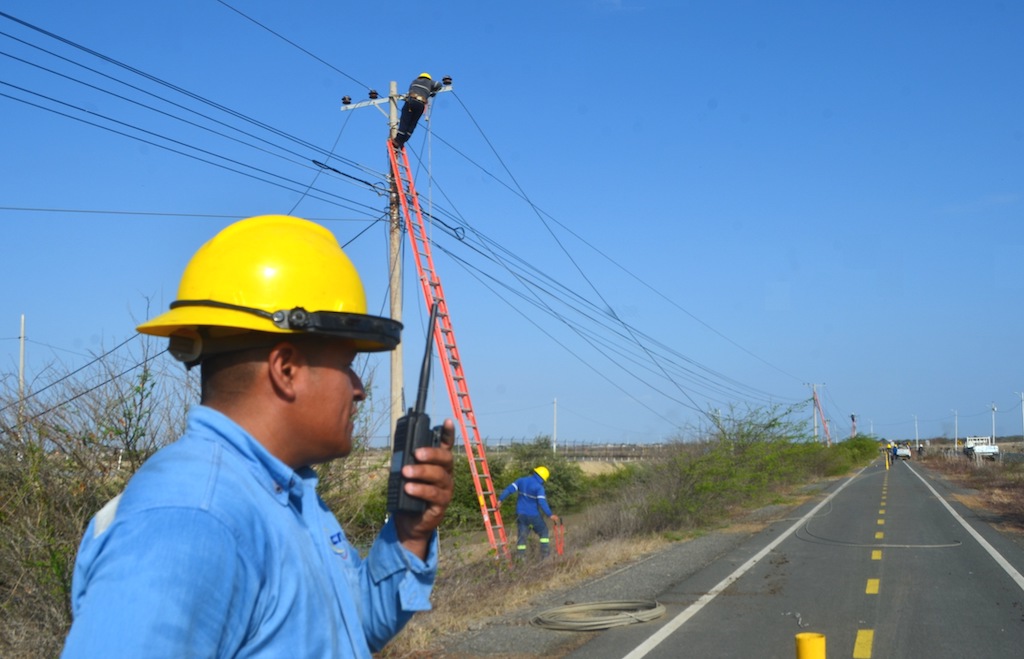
column 668, row 207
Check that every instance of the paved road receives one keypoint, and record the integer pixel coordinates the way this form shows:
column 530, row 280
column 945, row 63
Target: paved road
column 879, row 565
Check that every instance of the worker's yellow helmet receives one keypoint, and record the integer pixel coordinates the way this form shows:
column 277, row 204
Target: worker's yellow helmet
column 425, row 75
column 542, row 472
column 270, row 274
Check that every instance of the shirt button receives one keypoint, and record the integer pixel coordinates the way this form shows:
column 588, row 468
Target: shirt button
column 277, row 488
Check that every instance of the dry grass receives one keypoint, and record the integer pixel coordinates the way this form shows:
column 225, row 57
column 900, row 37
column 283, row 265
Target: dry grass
column 471, row 590
column 998, row 488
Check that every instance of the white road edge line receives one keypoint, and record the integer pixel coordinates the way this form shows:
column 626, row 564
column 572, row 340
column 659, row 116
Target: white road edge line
column 655, row 639
column 996, row 556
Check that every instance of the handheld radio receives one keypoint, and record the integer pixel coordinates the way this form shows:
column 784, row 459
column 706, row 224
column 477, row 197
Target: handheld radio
column 412, row 431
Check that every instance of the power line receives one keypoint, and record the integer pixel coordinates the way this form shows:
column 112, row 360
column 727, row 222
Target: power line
column 292, row 43
column 69, row 375
column 183, row 153
column 618, row 265
column 109, row 380
column 519, row 272
column 532, row 283
column 159, row 81
column 96, row 211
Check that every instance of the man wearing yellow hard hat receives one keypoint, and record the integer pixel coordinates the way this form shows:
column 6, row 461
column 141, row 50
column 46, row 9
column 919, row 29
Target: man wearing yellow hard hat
column 420, row 91
column 219, row 546
column 531, row 500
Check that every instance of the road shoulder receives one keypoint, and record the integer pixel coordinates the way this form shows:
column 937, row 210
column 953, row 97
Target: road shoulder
column 512, row 635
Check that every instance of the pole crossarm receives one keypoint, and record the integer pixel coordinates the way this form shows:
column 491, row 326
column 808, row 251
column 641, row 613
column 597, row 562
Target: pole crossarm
column 375, row 102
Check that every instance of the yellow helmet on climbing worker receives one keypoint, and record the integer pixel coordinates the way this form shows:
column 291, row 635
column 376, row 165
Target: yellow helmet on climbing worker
column 542, row 472
column 269, row 275
column 425, row 75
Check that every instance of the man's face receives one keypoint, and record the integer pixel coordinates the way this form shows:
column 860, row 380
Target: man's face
column 329, row 400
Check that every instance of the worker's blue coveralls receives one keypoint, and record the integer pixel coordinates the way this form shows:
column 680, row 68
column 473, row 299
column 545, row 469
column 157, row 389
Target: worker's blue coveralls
column 531, row 500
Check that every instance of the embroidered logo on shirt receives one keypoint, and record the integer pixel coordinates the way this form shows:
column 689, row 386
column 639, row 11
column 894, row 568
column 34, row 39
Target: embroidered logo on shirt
column 339, row 547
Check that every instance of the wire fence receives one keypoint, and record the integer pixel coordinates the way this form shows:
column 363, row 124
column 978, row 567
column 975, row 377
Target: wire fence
column 585, row 451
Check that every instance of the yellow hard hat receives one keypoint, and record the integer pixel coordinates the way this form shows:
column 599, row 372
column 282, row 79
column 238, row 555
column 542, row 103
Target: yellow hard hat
column 542, row 472
column 275, row 274
column 425, row 75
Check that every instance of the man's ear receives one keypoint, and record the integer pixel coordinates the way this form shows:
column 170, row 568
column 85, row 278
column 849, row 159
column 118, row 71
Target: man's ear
column 285, row 364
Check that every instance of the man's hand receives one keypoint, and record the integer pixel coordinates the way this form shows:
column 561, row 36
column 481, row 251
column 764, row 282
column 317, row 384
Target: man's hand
column 431, row 480
column 555, row 519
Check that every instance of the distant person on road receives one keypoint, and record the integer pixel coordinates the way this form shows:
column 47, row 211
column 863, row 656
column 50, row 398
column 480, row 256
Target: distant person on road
column 420, row 91
column 220, row 546
column 530, row 502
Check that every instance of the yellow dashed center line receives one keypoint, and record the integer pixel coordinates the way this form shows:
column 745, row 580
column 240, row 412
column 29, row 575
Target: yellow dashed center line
column 866, row 637
column 862, row 646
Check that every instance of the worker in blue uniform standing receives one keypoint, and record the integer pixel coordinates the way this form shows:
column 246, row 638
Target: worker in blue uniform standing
column 420, row 91
column 531, row 500
column 220, row 546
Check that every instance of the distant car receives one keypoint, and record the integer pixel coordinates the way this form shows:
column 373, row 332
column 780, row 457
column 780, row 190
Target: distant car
column 903, row 452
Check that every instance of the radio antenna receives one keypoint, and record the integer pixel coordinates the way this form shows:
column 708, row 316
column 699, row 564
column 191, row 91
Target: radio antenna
column 421, row 395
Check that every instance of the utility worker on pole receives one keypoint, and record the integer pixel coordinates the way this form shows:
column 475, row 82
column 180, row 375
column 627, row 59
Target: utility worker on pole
column 420, row 91
column 531, row 500
column 220, row 546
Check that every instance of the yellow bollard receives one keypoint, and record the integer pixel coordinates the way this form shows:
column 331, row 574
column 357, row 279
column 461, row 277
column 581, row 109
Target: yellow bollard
column 810, row 645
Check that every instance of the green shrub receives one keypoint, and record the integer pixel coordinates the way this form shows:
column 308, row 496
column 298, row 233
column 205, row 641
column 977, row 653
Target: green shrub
column 565, row 487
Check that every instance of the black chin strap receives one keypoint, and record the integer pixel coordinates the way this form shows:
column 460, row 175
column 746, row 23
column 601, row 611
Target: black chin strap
column 360, row 327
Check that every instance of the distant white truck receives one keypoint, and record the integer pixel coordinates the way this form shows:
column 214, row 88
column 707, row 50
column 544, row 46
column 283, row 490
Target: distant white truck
column 981, row 447
column 903, row 452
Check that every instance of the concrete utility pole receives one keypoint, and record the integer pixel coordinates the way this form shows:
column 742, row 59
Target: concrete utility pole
column 397, row 406
column 21, row 380
column 993, row 423
column 818, row 411
column 814, row 407
column 956, row 429
column 1021, row 394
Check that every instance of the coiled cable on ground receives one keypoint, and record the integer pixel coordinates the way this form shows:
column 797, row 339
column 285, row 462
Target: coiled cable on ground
column 589, row 615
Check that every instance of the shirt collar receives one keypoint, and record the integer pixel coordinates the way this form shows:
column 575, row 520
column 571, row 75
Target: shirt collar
column 280, row 480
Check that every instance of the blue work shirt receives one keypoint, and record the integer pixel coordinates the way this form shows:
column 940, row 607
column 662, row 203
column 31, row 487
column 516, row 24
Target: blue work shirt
column 530, row 499
column 218, row 549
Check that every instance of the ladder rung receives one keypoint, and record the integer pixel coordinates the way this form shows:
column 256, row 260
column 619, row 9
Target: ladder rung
column 405, row 189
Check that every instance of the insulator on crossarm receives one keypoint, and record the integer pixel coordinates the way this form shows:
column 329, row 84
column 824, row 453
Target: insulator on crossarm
column 346, row 100
column 374, row 95
column 447, row 80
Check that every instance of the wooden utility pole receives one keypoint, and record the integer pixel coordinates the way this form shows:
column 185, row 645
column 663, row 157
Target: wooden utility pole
column 397, row 406
column 395, row 269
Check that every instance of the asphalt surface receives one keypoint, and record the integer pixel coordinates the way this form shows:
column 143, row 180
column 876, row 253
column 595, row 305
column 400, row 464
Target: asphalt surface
column 938, row 592
column 513, row 636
